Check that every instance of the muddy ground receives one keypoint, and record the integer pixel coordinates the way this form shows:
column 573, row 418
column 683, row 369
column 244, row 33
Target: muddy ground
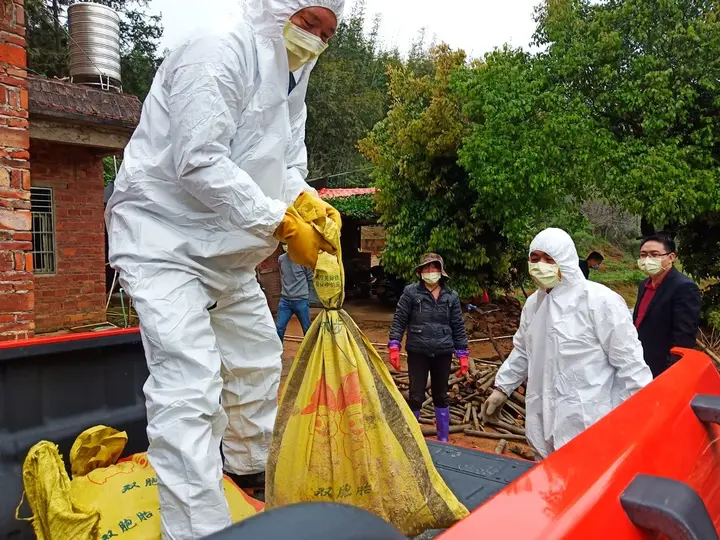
column 374, row 320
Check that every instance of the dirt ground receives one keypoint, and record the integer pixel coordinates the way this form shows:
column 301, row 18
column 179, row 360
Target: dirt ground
column 374, row 320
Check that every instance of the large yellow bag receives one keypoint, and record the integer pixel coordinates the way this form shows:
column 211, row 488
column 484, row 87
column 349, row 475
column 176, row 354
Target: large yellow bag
column 344, row 432
column 106, row 498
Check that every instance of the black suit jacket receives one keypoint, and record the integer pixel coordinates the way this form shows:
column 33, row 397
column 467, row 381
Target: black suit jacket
column 585, row 268
column 671, row 320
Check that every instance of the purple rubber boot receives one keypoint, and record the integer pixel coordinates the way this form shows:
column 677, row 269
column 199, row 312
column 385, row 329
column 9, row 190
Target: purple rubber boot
column 417, row 415
column 442, row 418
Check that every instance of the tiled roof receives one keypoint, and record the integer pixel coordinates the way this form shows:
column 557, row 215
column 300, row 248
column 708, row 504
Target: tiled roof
column 52, row 97
column 328, row 193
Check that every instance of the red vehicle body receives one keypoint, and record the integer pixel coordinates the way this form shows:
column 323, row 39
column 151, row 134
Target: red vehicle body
column 576, row 492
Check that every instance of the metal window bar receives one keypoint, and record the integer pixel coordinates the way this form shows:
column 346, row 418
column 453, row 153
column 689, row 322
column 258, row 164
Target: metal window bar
column 43, row 230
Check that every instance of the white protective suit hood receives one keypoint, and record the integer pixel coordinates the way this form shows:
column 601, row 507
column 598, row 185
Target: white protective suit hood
column 558, row 244
column 268, row 17
column 576, row 349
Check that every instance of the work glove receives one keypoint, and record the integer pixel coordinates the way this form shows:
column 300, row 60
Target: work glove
column 464, row 357
column 312, row 204
column 304, row 242
column 490, row 410
column 394, row 356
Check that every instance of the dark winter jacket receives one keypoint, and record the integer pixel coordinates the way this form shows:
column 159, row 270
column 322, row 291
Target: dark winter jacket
column 433, row 327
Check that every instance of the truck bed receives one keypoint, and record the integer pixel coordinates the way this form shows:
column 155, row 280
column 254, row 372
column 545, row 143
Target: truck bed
column 473, row 476
column 58, row 387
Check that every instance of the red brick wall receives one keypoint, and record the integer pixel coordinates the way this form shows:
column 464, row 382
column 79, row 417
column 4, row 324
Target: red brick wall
column 16, row 279
column 269, row 277
column 75, row 294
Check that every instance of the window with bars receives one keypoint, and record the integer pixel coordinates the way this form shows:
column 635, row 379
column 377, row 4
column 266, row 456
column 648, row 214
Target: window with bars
column 43, row 230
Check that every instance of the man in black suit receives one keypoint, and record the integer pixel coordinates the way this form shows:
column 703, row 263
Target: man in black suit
column 667, row 313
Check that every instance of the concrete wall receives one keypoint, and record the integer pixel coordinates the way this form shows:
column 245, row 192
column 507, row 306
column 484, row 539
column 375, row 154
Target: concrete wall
column 16, row 279
column 75, row 294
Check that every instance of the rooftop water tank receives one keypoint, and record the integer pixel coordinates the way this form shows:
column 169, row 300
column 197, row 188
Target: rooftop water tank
column 94, row 45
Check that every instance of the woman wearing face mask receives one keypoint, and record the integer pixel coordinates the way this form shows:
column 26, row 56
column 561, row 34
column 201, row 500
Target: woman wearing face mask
column 431, row 314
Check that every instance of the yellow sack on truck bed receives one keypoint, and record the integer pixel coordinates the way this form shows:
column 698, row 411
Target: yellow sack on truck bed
column 344, row 432
column 106, row 498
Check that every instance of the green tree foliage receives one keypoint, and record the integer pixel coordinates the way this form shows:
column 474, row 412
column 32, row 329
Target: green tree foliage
column 649, row 75
column 48, row 51
column 347, row 96
column 529, row 168
column 699, row 251
column 425, row 196
column 359, row 207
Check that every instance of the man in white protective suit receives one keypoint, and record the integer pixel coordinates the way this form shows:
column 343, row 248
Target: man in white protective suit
column 576, row 347
column 205, row 192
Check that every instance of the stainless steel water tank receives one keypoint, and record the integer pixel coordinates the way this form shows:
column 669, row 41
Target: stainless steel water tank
column 94, row 45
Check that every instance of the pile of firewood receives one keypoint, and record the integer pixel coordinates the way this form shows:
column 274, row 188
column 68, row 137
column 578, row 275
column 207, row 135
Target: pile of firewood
column 466, row 396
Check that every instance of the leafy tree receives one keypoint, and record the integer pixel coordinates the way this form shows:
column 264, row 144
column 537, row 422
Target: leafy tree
column 347, row 96
column 649, row 75
column 424, row 194
column 530, row 150
column 48, row 51
column 47, row 44
column 699, row 251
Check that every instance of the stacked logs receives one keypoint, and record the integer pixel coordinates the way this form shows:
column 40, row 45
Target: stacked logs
column 466, row 395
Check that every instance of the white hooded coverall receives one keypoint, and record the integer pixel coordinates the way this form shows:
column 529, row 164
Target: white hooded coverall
column 577, row 348
column 206, row 178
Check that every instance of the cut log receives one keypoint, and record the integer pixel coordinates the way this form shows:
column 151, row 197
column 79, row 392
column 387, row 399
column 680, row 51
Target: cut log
column 496, row 436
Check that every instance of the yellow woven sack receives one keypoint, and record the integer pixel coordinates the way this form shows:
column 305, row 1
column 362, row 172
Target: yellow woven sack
column 114, row 499
column 344, row 432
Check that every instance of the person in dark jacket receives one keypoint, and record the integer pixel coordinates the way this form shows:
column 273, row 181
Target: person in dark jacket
column 594, row 260
column 667, row 313
column 431, row 315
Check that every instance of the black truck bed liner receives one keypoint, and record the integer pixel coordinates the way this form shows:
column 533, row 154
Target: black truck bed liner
column 56, row 389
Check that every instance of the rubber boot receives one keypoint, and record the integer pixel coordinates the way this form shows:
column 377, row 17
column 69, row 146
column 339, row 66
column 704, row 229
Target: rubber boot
column 417, row 415
column 442, row 419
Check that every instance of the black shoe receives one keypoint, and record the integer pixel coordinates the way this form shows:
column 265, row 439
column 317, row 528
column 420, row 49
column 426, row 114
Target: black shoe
column 248, row 481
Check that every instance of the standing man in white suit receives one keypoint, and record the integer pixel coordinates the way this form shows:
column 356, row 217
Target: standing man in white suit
column 576, row 348
column 205, row 192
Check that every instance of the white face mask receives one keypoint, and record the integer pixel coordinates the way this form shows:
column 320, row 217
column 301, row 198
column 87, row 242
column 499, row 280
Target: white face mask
column 545, row 275
column 302, row 46
column 432, row 278
column 651, row 266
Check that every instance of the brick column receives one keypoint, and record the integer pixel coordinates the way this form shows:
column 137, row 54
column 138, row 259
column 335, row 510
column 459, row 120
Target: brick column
column 16, row 278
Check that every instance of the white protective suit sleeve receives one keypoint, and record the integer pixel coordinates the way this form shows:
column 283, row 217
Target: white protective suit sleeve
column 619, row 340
column 514, row 371
column 297, row 160
column 203, row 108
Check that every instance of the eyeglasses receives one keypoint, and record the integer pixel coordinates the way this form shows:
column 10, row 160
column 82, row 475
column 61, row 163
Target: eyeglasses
column 652, row 255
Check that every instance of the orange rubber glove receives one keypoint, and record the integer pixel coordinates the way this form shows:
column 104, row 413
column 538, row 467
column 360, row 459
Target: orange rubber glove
column 303, row 241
